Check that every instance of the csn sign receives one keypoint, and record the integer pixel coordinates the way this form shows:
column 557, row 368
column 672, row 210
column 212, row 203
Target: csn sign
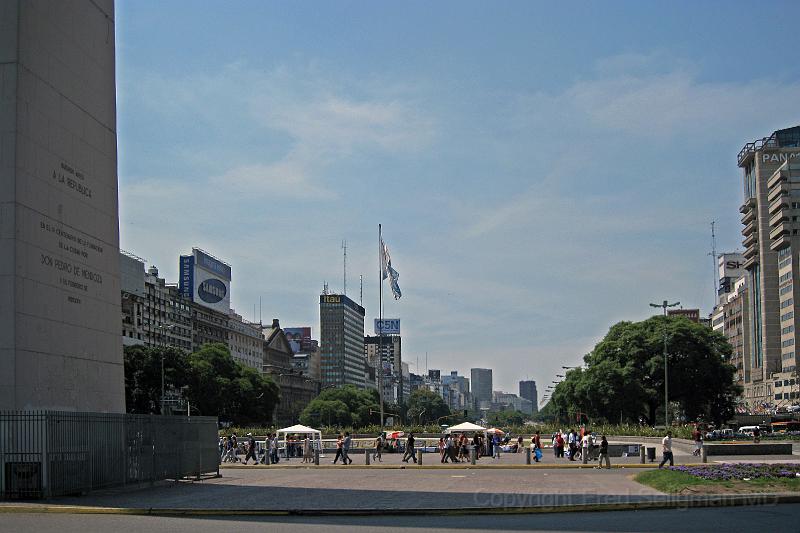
column 387, row 326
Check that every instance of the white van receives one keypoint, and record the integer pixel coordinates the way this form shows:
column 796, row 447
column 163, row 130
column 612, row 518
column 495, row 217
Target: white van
column 748, row 430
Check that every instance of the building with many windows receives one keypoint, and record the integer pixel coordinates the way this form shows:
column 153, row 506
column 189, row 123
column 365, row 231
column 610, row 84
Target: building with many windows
column 342, row 359
column 390, row 361
column 771, row 177
column 245, row 341
column 527, row 390
column 481, row 387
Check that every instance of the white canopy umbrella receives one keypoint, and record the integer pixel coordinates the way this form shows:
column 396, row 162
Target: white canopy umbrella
column 465, row 427
column 298, row 429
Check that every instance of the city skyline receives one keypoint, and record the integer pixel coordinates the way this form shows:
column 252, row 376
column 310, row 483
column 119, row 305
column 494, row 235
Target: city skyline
column 530, row 184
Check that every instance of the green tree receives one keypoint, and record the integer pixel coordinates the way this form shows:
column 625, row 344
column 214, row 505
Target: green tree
column 362, row 406
column 506, row 418
column 214, row 383
column 220, row 386
column 623, row 378
column 426, row 406
column 143, row 376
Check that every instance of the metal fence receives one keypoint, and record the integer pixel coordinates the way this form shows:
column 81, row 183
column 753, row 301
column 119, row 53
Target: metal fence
column 51, row 453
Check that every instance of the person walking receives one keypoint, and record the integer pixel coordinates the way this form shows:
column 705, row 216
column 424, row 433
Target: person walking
column 251, row 449
column 572, row 438
column 306, row 450
column 496, row 446
column 756, row 435
column 378, row 448
column 666, row 448
column 520, row 444
column 559, row 444
column 697, row 437
column 339, row 443
column 604, row 453
column 348, row 441
column 410, row 451
column 273, row 448
column 537, row 446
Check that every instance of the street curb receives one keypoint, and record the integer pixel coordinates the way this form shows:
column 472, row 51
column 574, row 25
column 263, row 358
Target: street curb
column 670, row 503
column 463, row 466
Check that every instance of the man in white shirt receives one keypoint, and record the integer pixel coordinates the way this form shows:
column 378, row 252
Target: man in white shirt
column 666, row 448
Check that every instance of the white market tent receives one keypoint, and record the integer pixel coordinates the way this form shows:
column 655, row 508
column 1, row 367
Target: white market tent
column 465, row 427
column 314, row 434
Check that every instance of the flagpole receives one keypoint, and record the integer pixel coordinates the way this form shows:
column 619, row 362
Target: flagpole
column 380, row 320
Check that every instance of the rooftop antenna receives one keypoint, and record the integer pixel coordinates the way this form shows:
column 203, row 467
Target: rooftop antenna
column 259, row 309
column 344, row 247
column 713, row 254
column 325, row 288
column 361, row 291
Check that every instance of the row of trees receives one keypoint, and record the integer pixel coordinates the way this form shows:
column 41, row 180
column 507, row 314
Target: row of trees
column 213, row 382
column 349, row 406
column 623, row 377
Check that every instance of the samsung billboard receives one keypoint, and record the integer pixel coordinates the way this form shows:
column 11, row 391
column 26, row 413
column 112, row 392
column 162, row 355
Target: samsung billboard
column 387, row 326
column 206, row 280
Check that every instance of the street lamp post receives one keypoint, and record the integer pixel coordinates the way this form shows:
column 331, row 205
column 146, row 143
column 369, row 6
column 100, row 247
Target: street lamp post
column 664, row 305
column 163, row 327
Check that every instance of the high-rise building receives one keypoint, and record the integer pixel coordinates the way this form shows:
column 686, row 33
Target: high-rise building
column 481, row 387
column 341, row 341
column 771, row 176
column 390, row 358
column 527, row 390
column 245, row 341
column 455, row 391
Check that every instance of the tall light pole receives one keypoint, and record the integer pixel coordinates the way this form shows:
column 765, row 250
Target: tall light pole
column 163, row 327
column 664, row 305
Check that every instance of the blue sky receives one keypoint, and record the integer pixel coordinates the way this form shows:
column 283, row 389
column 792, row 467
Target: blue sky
column 542, row 170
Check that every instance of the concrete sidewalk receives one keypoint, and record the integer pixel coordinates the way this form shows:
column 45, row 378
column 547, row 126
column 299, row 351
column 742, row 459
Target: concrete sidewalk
column 392, row 491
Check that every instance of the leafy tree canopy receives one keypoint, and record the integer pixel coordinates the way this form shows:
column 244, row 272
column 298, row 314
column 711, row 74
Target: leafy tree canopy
column 426, row 406
column 361, row 407
column 623, row 378
column 213, row 382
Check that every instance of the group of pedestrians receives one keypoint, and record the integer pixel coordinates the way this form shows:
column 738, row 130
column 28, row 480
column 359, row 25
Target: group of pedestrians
column 231, row 447
column 343, row 444
column 581, row 445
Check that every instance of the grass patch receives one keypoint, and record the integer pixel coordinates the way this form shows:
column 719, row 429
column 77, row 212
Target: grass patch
column 673, row 482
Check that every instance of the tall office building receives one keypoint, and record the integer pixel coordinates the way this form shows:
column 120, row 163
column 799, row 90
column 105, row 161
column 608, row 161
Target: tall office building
column 771, row 176
column 527, row 390
column 391, row 359
column 341, row 341
column 481, row 387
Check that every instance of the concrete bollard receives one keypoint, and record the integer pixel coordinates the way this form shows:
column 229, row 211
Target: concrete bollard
column 585, row 456
column 703, row 454
column 420, row 454
column 316, row 457
column 366, row 457
column 527, row 456
column 641, row 453
column 473, row 455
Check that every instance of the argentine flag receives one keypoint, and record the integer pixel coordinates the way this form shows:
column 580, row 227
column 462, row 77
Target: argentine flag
column 388, row 271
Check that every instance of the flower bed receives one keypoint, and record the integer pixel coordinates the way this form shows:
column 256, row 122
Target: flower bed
column 740, row 471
